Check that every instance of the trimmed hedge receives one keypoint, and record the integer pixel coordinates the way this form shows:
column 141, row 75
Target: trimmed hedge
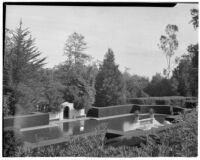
column 172, row 100
column 190, row 103
column 110, row 110
column 132, row 108
column 29, row 120
column 159, row 109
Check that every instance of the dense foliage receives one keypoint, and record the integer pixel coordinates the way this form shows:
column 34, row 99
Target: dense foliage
column 160, row 86
column 78, row 82
column 135, row 85
column 110, row 86
column 21, row 65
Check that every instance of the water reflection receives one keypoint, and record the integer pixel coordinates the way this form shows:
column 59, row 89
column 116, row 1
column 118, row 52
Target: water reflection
column 72, row 128
column 126, row 123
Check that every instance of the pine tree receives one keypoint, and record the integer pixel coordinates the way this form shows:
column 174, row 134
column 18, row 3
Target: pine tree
column 110, row 87
column 21, row 63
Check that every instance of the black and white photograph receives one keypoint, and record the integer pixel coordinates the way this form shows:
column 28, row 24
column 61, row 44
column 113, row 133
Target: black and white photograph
column 100, row 79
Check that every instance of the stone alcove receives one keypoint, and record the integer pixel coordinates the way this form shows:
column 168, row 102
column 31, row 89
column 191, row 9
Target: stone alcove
column 67, row 111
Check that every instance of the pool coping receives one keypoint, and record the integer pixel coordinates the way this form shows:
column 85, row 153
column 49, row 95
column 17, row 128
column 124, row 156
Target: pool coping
column 123, row 115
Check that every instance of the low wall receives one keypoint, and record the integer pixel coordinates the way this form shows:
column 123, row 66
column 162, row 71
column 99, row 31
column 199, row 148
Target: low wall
column 54, row 116
column 29, row 120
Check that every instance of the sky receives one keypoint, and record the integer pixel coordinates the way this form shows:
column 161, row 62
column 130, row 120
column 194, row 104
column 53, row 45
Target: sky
column 131, row 32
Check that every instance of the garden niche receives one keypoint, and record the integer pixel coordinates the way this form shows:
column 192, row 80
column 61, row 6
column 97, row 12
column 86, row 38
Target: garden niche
column 67, row 111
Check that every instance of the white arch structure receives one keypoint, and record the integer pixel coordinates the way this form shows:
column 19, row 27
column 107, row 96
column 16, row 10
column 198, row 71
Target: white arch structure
column 72, row 113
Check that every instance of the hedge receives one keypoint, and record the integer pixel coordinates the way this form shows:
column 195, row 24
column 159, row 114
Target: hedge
column 29, row 120
column 110, row 110
column 159, row 109
column 131, row 108
column 172, row 100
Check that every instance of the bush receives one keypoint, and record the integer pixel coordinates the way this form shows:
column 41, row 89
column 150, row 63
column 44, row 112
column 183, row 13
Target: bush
column 170, row 100
column 11, row 142
column 110, row 110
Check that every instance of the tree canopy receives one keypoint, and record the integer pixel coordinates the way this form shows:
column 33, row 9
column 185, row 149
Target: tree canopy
column 168, row 44
column 21, row 63
column 110, row 87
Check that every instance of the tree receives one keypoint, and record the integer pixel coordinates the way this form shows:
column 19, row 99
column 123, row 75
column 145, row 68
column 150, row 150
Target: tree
column 160, row 86
column 21, row 63
column 77, row 77
column 51, row 90
column 135, row 85
column 195, row 17
column 193, row 50
column 181, row 75
column 186, row 73
column 110, row 86
column 74, row 49
column 168, row 44
column 78, row 82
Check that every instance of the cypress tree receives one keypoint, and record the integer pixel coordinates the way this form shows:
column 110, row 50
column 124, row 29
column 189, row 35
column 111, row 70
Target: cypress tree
column 110, row 87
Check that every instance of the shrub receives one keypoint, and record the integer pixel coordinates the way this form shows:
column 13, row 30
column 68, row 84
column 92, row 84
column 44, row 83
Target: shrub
column 11, row 141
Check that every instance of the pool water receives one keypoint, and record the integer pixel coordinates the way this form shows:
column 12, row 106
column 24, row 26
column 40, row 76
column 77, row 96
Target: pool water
column 66, row 129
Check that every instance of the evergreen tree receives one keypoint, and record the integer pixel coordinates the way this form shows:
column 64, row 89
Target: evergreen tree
column 110, row 86
column 21, row 63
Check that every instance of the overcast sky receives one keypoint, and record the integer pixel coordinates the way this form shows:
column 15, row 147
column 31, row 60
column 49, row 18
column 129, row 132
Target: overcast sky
column 132, row 32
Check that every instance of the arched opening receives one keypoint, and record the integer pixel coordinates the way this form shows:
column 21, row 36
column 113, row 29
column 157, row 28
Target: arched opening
column 66, row 112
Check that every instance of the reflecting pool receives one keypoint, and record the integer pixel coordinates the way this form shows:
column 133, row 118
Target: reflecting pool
column 66, row 129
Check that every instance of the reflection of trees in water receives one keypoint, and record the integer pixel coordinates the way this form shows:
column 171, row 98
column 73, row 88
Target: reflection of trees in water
column 72, row 128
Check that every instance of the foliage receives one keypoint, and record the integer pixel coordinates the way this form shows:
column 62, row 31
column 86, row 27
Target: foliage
column 11, row 142
column 110, row 86
column 160, row 86
column 182, row 75
column 51, row 90
column 135, row 85
column 74, row 47
column 168, row 44
column 76, row 77
column 195, row 18
column 186, row 73
column 193, row 51
column 176, row 142
column 78, row 82
column 21, row 63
